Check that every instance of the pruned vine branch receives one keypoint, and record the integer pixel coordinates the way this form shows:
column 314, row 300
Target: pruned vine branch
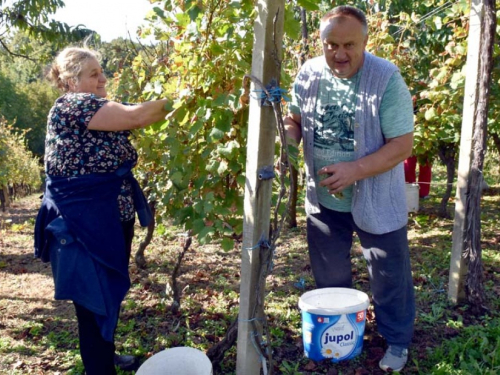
column 175, row 273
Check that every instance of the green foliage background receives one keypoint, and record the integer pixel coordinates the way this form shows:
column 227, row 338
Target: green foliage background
column 194, row 162
column 17, row 164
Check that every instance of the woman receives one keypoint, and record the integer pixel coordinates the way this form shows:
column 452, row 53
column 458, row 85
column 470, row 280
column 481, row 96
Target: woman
column 85, row 225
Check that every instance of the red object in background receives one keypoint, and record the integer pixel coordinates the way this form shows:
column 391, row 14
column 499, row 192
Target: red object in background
column 424, row 175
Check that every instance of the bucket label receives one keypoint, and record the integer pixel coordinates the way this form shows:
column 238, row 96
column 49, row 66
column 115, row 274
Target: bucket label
column 336, row 337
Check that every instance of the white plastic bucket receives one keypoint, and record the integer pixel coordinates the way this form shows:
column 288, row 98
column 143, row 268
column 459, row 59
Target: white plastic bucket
column 177, row 361
column 333, row 323
column 412, row 197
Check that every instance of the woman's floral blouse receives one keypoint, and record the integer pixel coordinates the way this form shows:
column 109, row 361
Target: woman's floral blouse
column 71, row 149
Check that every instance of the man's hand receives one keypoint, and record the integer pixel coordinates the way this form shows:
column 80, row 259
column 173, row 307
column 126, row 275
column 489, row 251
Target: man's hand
column 344, row 174
column 338, row 176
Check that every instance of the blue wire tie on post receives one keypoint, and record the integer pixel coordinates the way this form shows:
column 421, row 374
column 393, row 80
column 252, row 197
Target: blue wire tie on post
column 254, row 247
column 262, row 243
column 276, row 94
column 266, row 173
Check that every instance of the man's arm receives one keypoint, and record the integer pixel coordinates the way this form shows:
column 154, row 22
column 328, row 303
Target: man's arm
column 293, row 128
column 344, row 174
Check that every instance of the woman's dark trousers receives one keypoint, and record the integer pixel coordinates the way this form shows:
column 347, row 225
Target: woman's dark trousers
column 98, row 354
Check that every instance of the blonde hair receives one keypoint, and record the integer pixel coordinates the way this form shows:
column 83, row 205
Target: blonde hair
column 68, row 66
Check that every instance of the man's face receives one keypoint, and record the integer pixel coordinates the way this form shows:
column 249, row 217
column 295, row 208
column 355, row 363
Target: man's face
column 344, row 43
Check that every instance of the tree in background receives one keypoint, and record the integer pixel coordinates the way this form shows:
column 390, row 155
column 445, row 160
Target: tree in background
column 194, row 162
column 19, row 169
column 25, row 96
column 33, row 17
column 29, row 38
column 429, row 47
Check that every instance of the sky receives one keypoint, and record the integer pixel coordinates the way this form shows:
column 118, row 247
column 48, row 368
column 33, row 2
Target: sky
column 110, row 18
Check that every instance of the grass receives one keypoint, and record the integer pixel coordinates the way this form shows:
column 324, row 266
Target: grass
column 38, row 335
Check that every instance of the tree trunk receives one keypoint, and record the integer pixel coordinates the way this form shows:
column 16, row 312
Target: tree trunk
column 140, row 259
column 6, row 197
column 472, row 238
column 447, row 154
column 496, row 141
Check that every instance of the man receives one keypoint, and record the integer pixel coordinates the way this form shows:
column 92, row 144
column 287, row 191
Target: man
column 354, row 113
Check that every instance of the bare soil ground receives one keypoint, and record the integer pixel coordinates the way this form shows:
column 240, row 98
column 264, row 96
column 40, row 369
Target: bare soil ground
column 26, row 287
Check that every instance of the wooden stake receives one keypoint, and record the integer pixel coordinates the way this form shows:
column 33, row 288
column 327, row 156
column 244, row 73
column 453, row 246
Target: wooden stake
column 268, row 35
column 458, row 265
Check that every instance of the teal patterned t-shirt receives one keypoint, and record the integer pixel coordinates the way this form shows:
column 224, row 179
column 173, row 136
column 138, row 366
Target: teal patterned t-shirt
column 335, row 123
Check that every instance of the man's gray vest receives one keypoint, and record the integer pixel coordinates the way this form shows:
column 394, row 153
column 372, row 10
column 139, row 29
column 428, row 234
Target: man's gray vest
column 379, row 202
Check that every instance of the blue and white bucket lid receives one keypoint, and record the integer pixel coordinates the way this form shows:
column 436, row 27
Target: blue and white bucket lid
column 334, row 301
